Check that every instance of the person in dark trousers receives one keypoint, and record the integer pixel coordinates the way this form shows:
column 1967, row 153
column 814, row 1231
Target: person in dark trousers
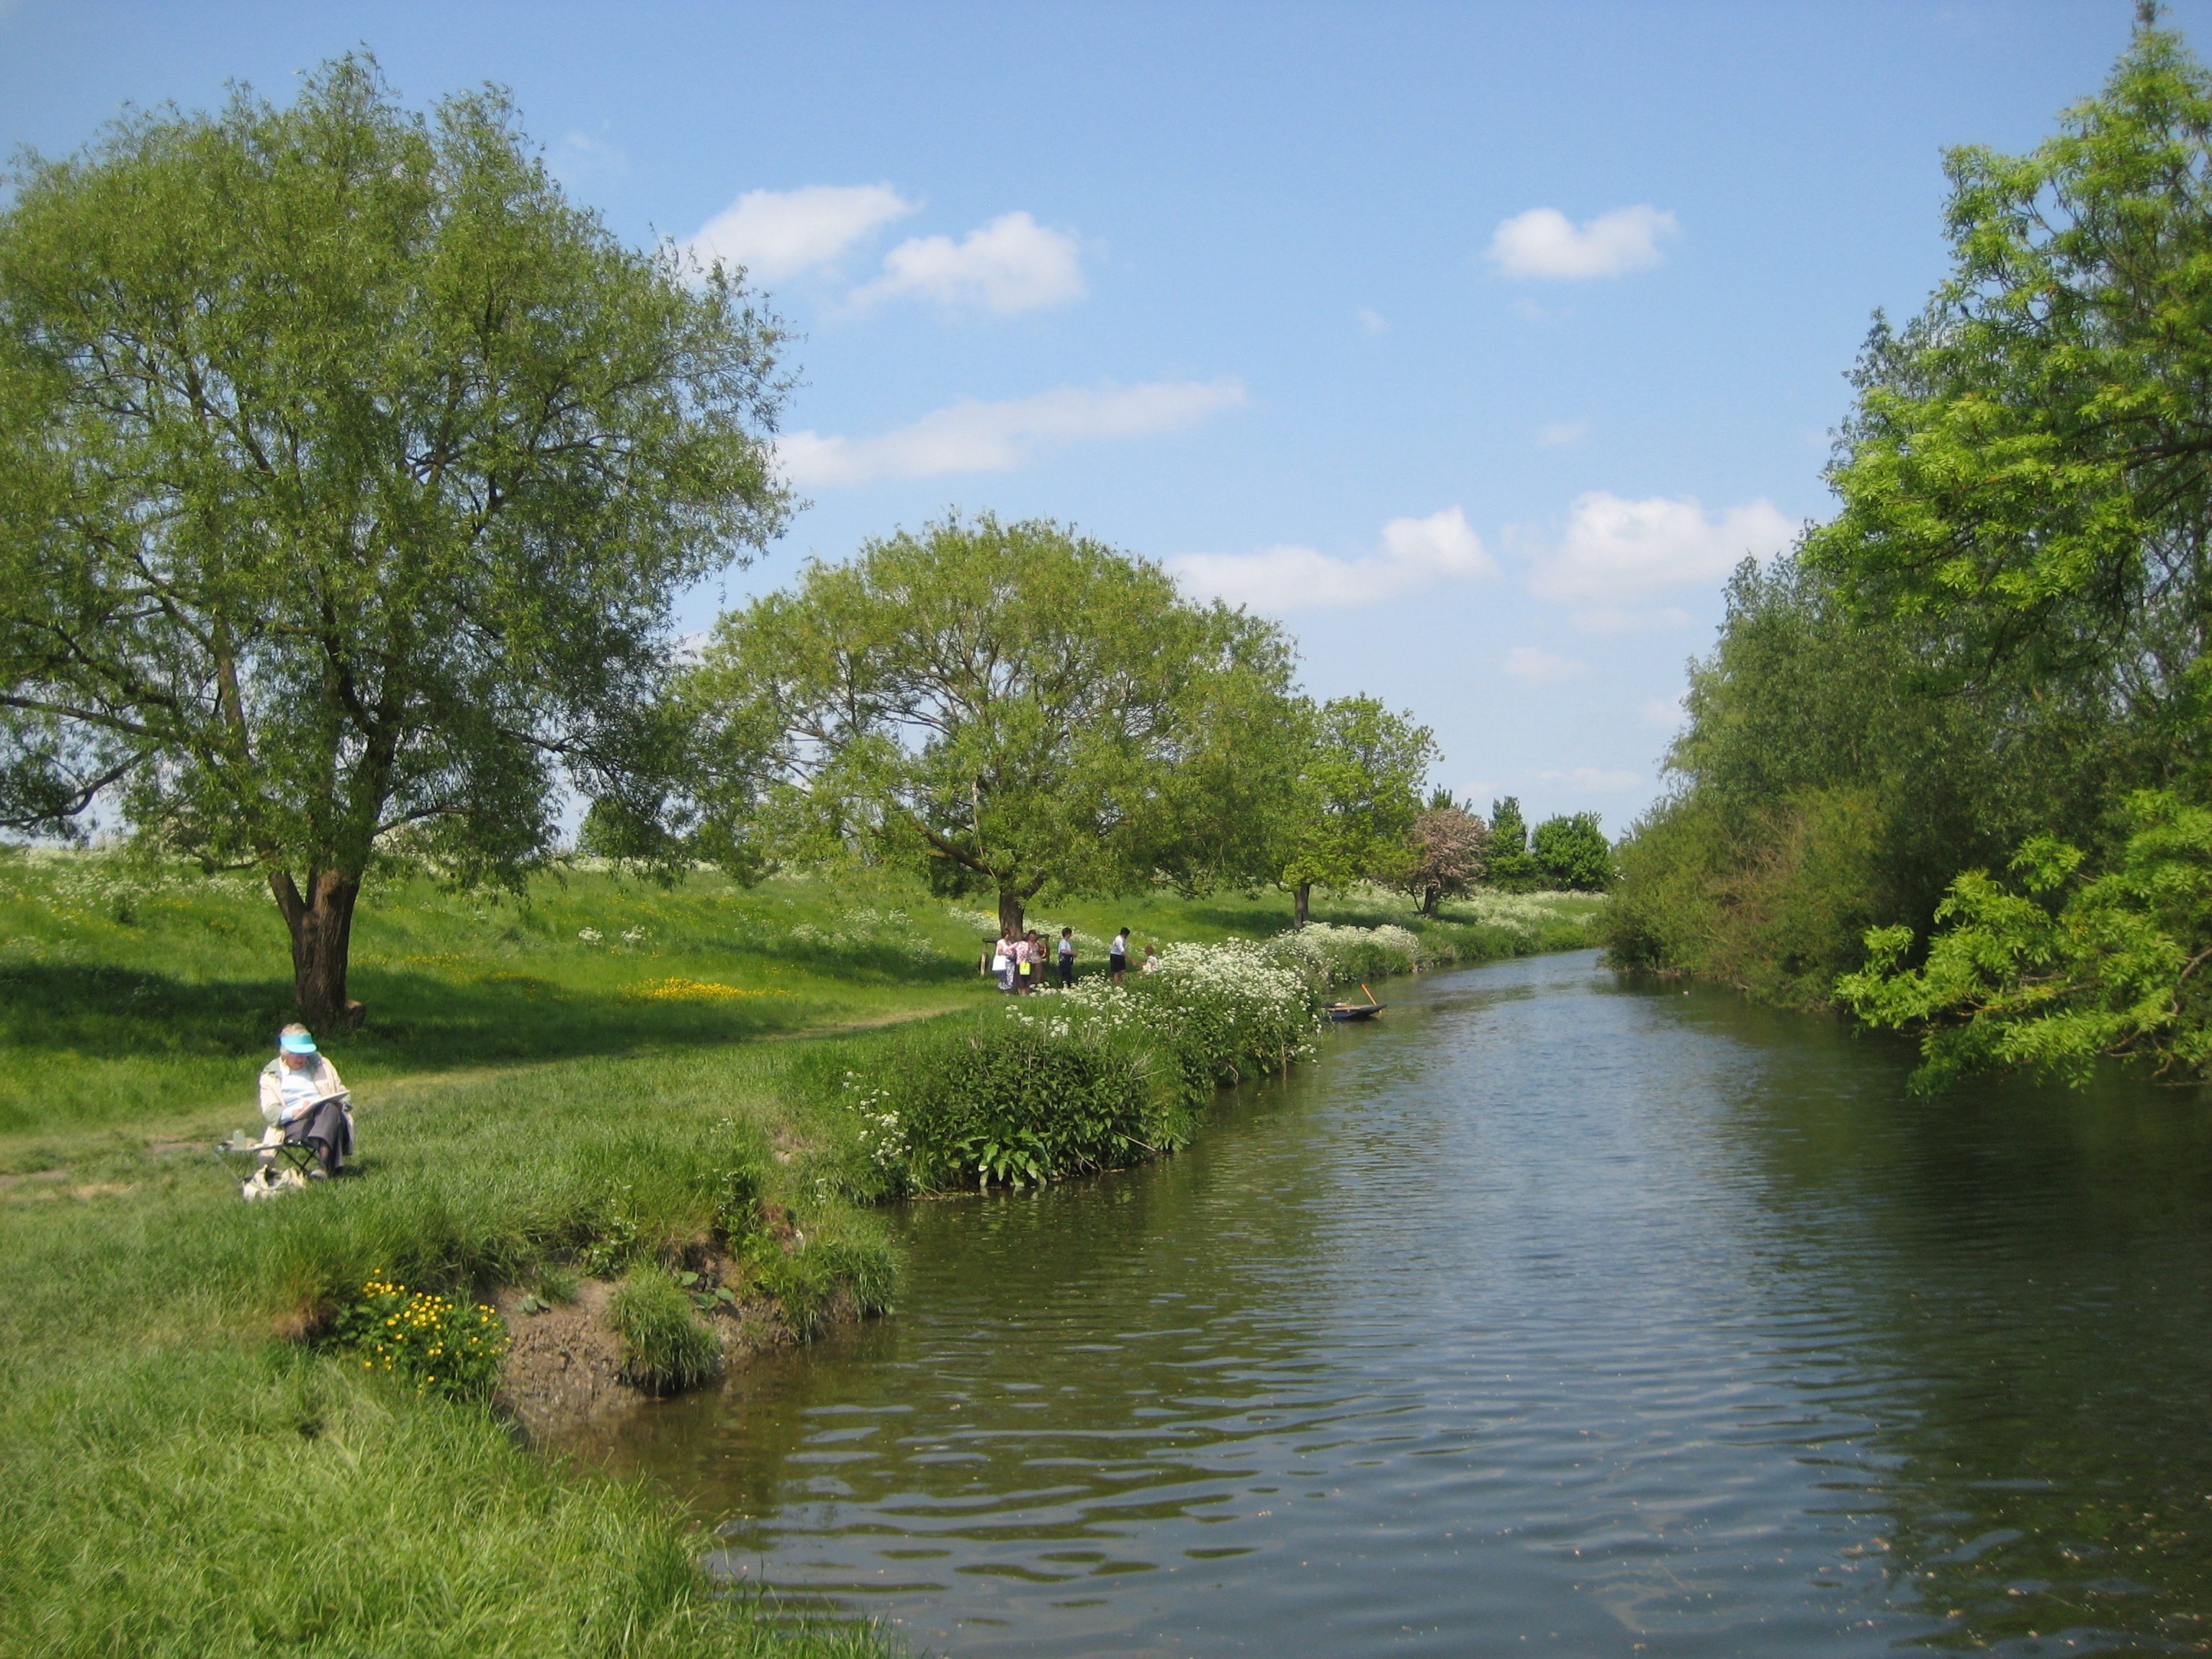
column 1117, row 954
column 1067, row 957
column 303, row 1095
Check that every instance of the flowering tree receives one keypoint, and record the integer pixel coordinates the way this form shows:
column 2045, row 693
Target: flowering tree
column 1449, row 844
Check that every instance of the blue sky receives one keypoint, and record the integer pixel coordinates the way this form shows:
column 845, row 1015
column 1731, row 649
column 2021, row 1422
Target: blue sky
column 1474, row 341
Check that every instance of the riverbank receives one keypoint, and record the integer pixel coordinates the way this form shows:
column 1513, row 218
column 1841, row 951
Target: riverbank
column 572, row 1089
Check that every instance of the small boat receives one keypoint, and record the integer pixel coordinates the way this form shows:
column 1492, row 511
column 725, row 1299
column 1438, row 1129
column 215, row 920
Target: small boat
column 1341, row 1011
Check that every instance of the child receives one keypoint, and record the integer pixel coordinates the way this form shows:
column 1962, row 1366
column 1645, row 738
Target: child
column 1067, row 957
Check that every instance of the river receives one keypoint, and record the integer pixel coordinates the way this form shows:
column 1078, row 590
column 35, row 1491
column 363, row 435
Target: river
column 1549, row 1314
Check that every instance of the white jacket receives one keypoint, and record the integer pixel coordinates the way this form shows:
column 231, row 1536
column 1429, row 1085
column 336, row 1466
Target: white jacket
column 272, row 1085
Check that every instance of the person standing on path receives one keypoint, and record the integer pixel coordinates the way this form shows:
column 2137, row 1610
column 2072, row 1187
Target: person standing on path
column 1002, row 959
column 1066, row 959
column 1117, row 954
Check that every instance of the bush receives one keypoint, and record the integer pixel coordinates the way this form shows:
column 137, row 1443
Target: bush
column 666, row 1347
column 1573, row 853
column 1226, row 1013
column 1777, row 911
column 443, row 1346
column 1022, row 1093
column 1330, row 956
column 1069, row 1081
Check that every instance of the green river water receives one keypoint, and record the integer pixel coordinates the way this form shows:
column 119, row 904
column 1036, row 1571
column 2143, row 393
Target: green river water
column 1549, row 1314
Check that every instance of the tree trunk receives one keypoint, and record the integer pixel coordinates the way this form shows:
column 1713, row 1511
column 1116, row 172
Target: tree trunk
column 1010, row 910
column 1301, row 901
column 1429, row 895
column 321, row 925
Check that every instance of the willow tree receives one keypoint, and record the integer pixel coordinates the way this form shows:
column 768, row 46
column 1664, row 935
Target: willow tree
column 347, row 472
column 1004, row 707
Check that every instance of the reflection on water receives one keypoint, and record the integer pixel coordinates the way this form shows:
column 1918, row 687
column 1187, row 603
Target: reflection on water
column 1546, row 1315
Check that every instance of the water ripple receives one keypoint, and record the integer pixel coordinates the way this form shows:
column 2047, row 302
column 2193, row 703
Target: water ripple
column 1549, row 1314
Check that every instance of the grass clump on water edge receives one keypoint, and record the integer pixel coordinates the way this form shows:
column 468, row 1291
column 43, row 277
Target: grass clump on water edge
column 666, row 1347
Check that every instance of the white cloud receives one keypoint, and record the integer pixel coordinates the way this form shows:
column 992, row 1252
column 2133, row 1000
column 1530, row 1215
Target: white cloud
column 1595, row 780
column 776, row 233
column 1011, row 264
column 1528, row 662
column 1543, row 242
column 1561, row 433
column 976, row 436
column 1667, row 713
column 1415, row 553
column 1614, row 549
column 1372, row 321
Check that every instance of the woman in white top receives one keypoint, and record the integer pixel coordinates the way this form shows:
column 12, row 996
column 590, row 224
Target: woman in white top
column 302, row 1095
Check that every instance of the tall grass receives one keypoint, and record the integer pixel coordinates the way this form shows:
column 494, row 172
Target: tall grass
column 232, row 1499
column 173, row 1480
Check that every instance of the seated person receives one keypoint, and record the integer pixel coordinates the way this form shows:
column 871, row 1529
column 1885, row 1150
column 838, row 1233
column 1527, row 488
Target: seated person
column 301, row 1095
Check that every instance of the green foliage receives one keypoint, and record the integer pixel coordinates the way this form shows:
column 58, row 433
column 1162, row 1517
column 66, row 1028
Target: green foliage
column 2066, row 968
column 2024, row 463
column 665, row 1347
column 2001, row 634
column 1357, row 792
column 1771, row 902
column 1017, row 1096
column 448, row 1348
column 1573, row 854
column 1509, row 867
column 1003, row 705
column 347, row 473
column 830, row 1257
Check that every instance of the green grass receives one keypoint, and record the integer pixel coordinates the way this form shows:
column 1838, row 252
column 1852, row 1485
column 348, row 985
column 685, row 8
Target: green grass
column 179, row 1474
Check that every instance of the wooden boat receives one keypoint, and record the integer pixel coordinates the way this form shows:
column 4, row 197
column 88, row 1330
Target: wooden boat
column 1349, row 1011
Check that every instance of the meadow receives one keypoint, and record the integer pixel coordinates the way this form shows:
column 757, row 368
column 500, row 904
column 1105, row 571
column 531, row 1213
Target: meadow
column 599, row 1076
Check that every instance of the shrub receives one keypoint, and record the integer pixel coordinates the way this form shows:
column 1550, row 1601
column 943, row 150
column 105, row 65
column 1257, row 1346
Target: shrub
column 666, row 1346
column 1330, row 956
column 1021, row 1093
column 443, row 1346
column 1088, row 1078
column 1226, row 1013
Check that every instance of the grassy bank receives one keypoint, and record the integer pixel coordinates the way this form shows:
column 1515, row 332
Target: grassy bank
column 578, row 1082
